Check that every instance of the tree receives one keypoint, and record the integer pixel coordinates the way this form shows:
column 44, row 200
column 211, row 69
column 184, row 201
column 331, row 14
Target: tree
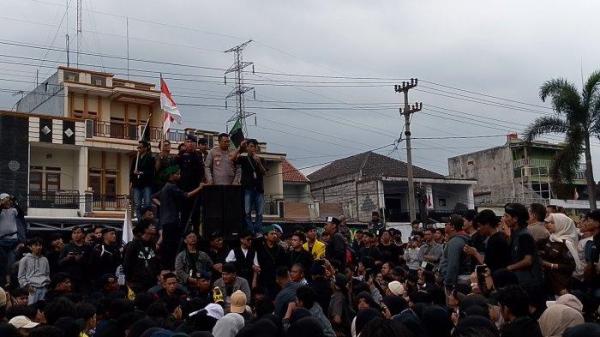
column 578, row 118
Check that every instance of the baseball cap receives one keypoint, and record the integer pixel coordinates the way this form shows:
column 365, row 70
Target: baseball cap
column 278, row 228
column 238, row 302
column 396, row 288
column 22, row 322
column 4, row 196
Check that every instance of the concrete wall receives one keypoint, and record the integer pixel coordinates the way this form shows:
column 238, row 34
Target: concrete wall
column 296, row 192
column 273, row 180
column 358, row 199
column 492, row 168
column 66, row 159
column 47, row 98
column 445, row 197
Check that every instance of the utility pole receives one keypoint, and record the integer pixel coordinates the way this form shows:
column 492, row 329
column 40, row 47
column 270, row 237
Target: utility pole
column 240, row 89
column 68, row 51
column 79, row 25
column 127, row 23
column 407, row 112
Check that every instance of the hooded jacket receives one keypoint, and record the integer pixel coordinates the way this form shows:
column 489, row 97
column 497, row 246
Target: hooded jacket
column 454, row 261
column 34, row 271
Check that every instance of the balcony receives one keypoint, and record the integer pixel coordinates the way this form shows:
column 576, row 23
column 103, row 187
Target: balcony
column 532, row 162
column 55, row 199
column 129, row 131
column 109, row 202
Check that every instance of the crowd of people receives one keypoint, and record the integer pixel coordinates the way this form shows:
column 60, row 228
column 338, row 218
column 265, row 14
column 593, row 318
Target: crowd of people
column 533, row 272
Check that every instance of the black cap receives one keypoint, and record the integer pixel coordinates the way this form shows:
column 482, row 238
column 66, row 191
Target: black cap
column 104, row 278
column 202, row 141
column 333, row 220
column 108, row 229
column 191, row 137
column 215, row 235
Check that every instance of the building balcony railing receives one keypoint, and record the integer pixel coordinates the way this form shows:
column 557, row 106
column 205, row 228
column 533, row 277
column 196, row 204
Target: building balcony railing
column 129, row 131
column 102, row 202
column 55, row 199
column 532, row 162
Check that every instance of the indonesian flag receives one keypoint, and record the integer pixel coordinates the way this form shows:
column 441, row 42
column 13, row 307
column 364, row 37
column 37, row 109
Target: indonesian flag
column 168, row 106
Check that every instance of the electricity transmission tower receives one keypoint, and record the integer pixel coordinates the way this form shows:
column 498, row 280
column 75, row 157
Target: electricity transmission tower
column 239, row 89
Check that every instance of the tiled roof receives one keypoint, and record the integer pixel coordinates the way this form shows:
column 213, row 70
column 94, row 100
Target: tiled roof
column 291, row 174
column 372, row 165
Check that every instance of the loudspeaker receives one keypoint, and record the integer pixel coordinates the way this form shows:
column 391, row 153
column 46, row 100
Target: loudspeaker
column 14, row 161
column 222, row 210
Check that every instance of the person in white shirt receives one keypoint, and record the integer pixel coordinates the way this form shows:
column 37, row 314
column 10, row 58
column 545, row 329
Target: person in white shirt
column 245, row 259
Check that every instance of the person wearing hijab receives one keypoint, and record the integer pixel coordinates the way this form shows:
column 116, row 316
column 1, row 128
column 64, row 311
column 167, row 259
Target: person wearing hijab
column 558, row 318
column 559, row 254
column 228, row 326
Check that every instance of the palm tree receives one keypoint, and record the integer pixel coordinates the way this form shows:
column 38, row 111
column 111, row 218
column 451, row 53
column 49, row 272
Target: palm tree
column 578, row 117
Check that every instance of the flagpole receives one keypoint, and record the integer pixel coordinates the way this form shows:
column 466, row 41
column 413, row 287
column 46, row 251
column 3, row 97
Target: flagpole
column 162, row 134
column 137, row 158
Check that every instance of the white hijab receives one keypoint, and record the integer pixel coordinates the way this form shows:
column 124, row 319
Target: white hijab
column 565, row 231
column 564, row 228
column 228, row 326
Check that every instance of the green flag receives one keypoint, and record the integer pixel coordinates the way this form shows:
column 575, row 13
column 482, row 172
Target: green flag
column 237, row 134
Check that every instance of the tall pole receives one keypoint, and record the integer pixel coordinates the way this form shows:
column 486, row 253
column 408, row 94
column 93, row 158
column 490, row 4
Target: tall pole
column 407, row 112
column 127, row 22
column 240, row 89
column 79, row 25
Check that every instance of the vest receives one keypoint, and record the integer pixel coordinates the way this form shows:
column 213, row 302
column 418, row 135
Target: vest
column 243, row 264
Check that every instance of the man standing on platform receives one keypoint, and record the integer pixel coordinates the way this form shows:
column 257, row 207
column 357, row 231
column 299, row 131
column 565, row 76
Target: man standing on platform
column 142, row 177
column 191, row 175
column 253, row 171
column 219, row 167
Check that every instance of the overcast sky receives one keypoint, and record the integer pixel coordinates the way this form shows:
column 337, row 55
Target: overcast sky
column 505, row 49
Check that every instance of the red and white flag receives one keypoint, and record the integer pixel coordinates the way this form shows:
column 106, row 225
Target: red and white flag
column 167, row 104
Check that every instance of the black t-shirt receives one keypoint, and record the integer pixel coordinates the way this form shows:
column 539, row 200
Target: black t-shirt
column 371, row 252
column 302, row 257
column 478, row 241
column 171, row 201
column 192, row 170
column 390, row 253
column 497, row 252
column 252, row 178
column 336, row 249
column 522, row 244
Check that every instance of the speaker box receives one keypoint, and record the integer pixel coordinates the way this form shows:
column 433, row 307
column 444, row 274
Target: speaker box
column 14, row 161
column 222, row 210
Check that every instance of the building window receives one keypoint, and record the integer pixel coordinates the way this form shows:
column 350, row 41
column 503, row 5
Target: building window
column 71, row 76
column 95, row 182
column 35, row 182
column 99, row 81
column 52, row 182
